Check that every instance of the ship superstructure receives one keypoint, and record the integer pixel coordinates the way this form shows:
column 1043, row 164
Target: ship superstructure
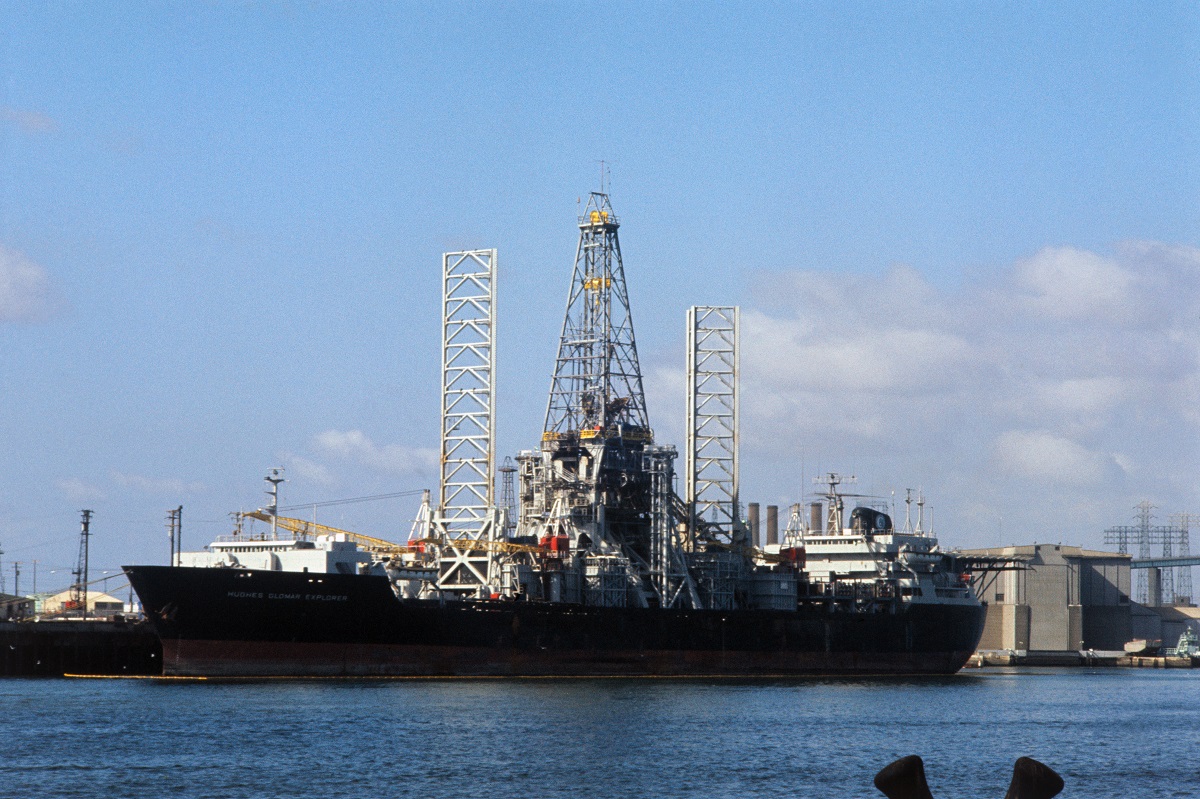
column 869, row 556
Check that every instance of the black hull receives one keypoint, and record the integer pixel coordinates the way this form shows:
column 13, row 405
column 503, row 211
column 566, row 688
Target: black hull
column 238, row 623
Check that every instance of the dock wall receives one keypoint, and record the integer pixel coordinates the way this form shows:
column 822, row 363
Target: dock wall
column 55, row 648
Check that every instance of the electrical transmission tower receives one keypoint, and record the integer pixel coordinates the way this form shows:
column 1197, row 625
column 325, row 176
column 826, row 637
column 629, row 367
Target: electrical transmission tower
column 1173, row 584
column 712, row 419
column 1183, row 574
column 466, row 500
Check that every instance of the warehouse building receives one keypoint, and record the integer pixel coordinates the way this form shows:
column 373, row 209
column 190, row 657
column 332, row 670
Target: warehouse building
column 15, row 607
column 1066, row 599
column 64, row 603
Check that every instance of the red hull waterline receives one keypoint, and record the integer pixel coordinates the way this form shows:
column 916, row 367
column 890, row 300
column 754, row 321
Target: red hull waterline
column 259, row 659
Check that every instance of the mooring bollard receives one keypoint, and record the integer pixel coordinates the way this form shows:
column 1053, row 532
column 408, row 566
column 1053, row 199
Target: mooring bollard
column 905, row 779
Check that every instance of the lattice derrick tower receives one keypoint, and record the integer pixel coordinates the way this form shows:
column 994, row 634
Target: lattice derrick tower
column 466, row 498
column 597, row 382
column 590, row 481
column 712, row 421
column 508, row 496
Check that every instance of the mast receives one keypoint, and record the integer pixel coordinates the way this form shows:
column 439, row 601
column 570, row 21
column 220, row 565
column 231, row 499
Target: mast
column 80, row 589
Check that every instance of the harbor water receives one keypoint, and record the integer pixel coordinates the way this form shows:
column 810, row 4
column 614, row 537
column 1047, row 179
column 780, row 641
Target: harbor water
column 1109, row 732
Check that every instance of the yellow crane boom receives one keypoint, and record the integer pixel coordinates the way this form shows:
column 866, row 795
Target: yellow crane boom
column 753, row 553
column 306, row 528
column 478, row 545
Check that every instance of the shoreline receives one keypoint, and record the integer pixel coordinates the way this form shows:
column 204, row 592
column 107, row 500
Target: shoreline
column 1089, row 659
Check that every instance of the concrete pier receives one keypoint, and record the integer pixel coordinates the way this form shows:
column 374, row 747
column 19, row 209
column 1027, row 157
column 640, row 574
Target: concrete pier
column 55, row 648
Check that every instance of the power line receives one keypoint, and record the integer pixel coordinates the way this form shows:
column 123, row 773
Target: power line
column 370, row 498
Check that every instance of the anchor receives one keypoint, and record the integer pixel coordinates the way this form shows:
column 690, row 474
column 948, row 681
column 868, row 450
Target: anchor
column 905, row 779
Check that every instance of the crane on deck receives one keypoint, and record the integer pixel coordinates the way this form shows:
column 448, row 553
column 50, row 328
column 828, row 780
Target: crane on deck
column 306, row 528
column 380, row 546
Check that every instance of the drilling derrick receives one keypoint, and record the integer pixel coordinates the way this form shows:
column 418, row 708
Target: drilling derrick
column 597, row 385
column 598, row 484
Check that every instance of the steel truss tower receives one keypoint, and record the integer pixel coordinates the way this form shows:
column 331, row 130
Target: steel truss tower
column 712, row 420
column 597, row 480
column 466, row 499
column 1172, row 584
column 79, row 591
column 508, row 496
column 1183, row 574
column 597, row 381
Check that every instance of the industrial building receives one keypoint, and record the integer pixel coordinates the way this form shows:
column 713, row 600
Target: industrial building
column 1166, row 623
column 66, row 603
column 1070, row 599
column 1066, row 599
column 15, row 607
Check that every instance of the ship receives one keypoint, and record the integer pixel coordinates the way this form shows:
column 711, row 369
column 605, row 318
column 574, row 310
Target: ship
column 592, row 565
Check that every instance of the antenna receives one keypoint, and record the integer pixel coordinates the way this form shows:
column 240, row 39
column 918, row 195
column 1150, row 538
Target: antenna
column 274, row 477
column 834, row 518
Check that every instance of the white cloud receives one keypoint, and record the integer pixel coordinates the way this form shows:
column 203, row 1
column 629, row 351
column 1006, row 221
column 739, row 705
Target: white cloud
column 25, row 293
column 78, row 490
column 858, row 355
column 665, row 387
column 1065, row 380
column 31, row 122
column 354, row 445
column 306, row 469
column 1068, row 283
column 156, row 485
column 1040, row 455
column 1091, row 395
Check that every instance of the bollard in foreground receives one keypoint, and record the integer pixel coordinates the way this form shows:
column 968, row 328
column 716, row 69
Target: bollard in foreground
column 905, row 779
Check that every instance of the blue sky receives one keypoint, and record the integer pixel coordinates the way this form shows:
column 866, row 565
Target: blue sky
column 963, row 235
